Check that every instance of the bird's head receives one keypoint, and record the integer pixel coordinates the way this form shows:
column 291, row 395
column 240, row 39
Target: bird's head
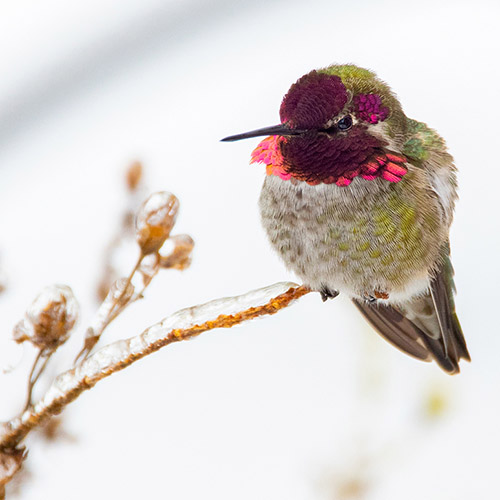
column 337, row 123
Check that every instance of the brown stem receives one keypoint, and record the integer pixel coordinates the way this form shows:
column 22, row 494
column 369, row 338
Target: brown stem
column 42, row 369
column 31, row 381
column 112, row 316
column 69, row 385
column 90, row 342
column 134, row 298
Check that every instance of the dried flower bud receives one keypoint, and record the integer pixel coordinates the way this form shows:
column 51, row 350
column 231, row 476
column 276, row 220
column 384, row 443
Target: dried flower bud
column 10, row 463
column 177, row 254
column 49, row 319
column 155, row 220
column 133, row 175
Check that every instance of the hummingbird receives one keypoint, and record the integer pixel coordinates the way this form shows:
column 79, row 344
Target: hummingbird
column 358, row 199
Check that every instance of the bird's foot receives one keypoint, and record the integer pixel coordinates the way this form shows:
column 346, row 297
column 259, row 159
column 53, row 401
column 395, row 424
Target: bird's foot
column 377, row 294
column 326, row 293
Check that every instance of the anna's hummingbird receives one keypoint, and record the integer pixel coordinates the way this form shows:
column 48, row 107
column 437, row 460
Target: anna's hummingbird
column 358, row 199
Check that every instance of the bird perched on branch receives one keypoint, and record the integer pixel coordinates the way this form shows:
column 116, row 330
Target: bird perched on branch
column 358, row 199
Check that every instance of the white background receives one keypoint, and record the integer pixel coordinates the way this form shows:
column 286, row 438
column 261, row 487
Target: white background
column 303, row 405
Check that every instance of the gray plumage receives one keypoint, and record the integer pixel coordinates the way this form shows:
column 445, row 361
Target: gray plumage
column 380, row 239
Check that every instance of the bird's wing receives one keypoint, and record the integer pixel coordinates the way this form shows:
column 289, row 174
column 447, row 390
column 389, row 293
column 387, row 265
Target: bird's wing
column 442, row 290
column 395, row 328
column 427, row 327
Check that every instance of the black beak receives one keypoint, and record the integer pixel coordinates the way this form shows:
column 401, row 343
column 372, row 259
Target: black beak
column 280, row 129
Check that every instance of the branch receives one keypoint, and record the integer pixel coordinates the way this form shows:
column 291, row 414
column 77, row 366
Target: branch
column 182, row 325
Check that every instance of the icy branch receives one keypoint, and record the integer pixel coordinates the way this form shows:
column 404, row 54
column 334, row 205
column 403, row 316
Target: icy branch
column 182, row 325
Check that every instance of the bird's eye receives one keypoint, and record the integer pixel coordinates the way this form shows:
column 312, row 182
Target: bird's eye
column 345, row 123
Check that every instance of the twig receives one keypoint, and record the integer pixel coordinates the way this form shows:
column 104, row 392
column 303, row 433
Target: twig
column 41, row 370
column 116, row 308
column 33, row 380
column 30, row 380
column 112, row 316
column 182, row 325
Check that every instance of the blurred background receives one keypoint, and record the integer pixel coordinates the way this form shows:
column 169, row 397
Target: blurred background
column 310, row 403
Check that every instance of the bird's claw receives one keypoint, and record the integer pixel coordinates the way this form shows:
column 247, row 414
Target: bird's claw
column 326, row 294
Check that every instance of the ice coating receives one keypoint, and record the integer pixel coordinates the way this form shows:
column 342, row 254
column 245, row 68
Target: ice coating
column 176, row 252
column 219, row 313
column 117, row 292
column 157, row 209
column 117, row 352
column 187, row 318
column 155, row 219
column 49, row 319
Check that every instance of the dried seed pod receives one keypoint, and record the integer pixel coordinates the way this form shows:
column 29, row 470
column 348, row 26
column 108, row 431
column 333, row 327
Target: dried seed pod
column 49, row 319
column 176, row 253
column 155, row 220
column 133, row 175
column 10, row 463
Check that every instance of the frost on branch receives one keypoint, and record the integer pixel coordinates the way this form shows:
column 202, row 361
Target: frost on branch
column 118, row 296
column 155, row 220
column 182, row 325
column 49, row 319
column 120, row 293
column 54, row 312
column 150, row 265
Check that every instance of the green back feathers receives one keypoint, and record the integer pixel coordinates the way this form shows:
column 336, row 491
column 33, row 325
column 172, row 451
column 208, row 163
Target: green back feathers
column 422, row 141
